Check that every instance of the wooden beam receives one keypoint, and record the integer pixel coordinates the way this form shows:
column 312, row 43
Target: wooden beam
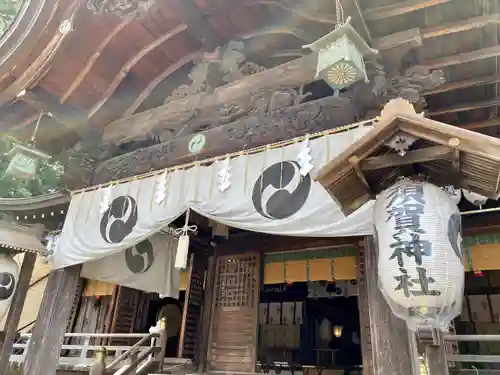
column 466, row 83
column 411, row 157
column 403, row 37
column 393, row 348
column 158, row 79
column 475, row 125
column 459, row 26
column 48, row 334
column 132, row 62
column 310, row 117
column 291, row 74
column 462, row 58
column 199, row 26
column 39, row 64
column 73, row 118
column 399, row 8
column 16, row 309
column 92, row 60
column 465, row 107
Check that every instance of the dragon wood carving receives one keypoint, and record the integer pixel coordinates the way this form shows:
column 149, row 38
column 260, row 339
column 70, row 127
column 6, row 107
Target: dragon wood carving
column 261, row 128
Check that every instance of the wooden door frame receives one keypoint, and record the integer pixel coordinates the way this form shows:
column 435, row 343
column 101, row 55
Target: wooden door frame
column 258, row 273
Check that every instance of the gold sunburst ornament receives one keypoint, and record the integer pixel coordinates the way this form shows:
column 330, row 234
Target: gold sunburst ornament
column 341, row 74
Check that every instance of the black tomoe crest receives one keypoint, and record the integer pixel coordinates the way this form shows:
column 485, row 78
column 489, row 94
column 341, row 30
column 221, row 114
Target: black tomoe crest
column 281, row 190
column 455, row 235
column 119, row 219
column 140, row 258
column 7, row 285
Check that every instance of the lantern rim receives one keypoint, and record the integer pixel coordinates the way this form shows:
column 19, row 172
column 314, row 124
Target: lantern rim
column 29, row 150
column 347, row 30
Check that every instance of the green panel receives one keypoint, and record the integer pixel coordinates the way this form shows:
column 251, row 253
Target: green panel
column 325, row 253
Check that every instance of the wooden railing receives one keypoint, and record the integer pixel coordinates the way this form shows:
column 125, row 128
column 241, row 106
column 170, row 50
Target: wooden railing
column 147, row 354
column 473, row 358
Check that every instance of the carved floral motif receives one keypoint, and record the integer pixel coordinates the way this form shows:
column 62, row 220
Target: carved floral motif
column 125, row 9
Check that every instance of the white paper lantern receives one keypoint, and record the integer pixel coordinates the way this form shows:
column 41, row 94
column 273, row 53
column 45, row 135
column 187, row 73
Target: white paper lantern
column 9, row 275
column 420, row 254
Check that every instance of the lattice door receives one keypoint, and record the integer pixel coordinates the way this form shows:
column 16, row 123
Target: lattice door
column 233, row 337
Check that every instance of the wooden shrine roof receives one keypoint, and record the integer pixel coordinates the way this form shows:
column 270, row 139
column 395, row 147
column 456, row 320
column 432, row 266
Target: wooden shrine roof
column 113, row 76
column 444, row 153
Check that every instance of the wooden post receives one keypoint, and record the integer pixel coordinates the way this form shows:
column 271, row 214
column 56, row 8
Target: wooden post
column 205, row 319
column 435, row 354
column 48, row 334
column 163, row 343
column 393, row 348
column 15, row 310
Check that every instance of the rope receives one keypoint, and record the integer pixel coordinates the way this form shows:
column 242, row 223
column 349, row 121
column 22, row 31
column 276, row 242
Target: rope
column 32, row 141
column 339, row 12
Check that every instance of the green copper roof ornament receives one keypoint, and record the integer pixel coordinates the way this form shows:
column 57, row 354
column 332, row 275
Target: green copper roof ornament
column 341, row 54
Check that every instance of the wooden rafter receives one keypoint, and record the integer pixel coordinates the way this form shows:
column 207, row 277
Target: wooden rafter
column 157, row 80
column 399, row 8
column 131, row 63
column 476, row 125
column 403, row 37
column 73, row 118
column 466, row 107
column 92, row 60
column 199, row 26
column 461, row 58
column 38, row 66
column 307, row 15
column 457, row 85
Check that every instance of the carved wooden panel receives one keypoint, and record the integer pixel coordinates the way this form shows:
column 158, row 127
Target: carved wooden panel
column 233, row 337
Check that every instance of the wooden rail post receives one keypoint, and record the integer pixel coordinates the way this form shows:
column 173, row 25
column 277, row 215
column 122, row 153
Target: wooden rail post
column 48, row 334
column 15, row 310
column 435, row 353
column 393, row 347
column 163, row 343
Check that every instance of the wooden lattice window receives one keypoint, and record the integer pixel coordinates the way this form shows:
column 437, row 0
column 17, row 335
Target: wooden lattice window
column 236, row 281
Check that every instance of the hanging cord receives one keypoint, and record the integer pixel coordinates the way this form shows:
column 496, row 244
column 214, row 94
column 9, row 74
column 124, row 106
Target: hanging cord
column 186, row 228
column 339, row 11
column 32, row 141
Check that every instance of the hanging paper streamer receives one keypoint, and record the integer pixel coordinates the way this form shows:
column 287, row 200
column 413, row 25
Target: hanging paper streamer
column 420, row 254
column 225, row 175
column 105, row 200
column 454, row 193
column 304, row 158
column 9, row 275
column 161, row 188
column 183, row 246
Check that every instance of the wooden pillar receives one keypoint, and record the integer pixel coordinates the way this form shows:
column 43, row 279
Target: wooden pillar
column 388, row 347
column 435, row 360
column 206, row 317
column 15, row 310
column 48, row 334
